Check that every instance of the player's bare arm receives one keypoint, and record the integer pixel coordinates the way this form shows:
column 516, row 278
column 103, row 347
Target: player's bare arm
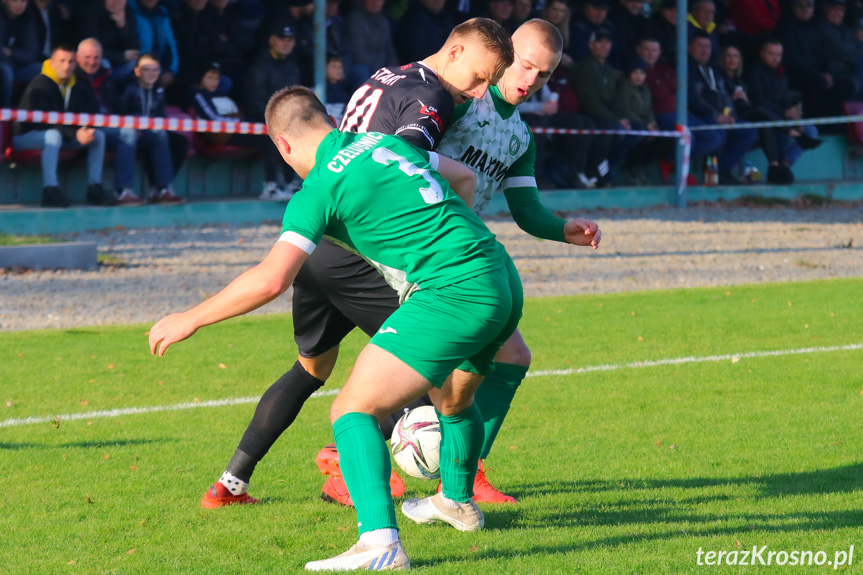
column 582, row 232
column 249, row 291
column 461, row 179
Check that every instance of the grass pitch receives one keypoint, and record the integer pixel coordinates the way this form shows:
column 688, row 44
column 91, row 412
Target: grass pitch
column 628, row 469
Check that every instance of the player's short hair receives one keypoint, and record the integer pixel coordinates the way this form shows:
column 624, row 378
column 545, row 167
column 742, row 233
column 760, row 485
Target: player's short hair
column 488, row 34
column 63, row 46
column 293, row 110
column 547, row 34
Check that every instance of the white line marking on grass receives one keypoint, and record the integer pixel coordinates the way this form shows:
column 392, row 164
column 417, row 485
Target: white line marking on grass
column 152, row 409
column 328, row 393
column 679, row 360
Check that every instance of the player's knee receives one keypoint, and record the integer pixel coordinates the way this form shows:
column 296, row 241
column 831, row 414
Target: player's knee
column 322, row 365
column 515, row 352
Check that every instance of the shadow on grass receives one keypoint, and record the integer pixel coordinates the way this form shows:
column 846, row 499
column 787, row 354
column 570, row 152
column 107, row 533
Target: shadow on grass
column 82, row 444
column 659, row 507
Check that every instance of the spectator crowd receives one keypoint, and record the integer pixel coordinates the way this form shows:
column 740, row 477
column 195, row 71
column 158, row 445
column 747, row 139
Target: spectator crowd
column 748, row 60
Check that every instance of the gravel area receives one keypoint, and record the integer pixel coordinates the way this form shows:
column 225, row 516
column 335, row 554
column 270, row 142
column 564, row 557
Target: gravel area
column 158, row 271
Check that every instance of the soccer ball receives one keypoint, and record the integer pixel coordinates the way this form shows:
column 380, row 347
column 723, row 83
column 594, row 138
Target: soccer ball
column 416, row 443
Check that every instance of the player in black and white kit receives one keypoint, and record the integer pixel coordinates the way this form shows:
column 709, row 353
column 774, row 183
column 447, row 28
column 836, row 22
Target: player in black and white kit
column 336, row 290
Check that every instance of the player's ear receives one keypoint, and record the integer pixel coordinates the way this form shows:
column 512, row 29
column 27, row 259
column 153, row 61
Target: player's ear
column 455, row 52
column 283, row 146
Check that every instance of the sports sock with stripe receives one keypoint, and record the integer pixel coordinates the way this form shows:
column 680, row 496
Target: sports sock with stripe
column 276, row 411
column 460, row 443
column 365, row 463
column 494, row 397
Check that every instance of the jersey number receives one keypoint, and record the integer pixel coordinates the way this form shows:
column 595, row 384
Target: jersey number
column 431, row 195
column 360, row 109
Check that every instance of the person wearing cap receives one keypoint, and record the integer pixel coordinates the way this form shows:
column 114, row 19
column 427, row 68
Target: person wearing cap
column 592, row 17
column 300, row 16
column 595, row 83
column 709, row 102
column 370, row 38
column 273, row 69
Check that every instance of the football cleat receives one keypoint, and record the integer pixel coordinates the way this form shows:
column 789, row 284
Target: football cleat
column 328, row 463
column 335, row 490
column 484, row 492
column 219, row 496
column 364, row 556
column 464, row 517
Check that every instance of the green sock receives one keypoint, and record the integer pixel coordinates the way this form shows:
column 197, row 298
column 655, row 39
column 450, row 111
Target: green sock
column 365, row 463
column 460, row 442
column 494, row 397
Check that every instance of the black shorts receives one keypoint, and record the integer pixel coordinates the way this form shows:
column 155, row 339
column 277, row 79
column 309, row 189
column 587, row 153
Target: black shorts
column 334, row 292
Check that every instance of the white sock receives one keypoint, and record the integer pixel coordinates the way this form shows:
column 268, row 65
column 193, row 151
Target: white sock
column 380, row 537
column 234, row 485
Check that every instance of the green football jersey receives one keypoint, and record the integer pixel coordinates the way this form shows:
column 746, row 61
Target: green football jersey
column 382, row 198
column 489, row 135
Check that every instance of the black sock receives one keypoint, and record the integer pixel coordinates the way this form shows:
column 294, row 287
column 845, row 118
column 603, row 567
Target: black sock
column 276, row 411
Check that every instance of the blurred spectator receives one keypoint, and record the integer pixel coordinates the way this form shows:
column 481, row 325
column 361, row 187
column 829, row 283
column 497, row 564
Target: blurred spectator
column 522, row 11
column 630, row 25
column 557, row 12
column 755, row 21
column 422, row 31
column 107, row 93
column 19, row 51
column 229, row 42
column 702, row 17
column 144, row 97
column 274, row 68
column 662, row 82
column 731, row 66
column 633, row 103
column 663, row 27
column 193, row 50
column 501, row 12
column 592, row 17
column 157, row 38
column 56, row 89
column 371, row 41
column 300, row 16
column 595, row 86
column 337, row 39
column 113, row 24
column 710, row 103
column 337, row 92
column 839, row 45
column 807, row 72
column 769, row 93
column 52, row 22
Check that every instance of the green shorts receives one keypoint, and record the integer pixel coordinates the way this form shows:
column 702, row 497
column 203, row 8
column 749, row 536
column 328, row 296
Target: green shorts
column 460, row 326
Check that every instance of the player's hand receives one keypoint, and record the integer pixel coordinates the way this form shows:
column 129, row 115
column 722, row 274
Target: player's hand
column 582, row 232
column 169, row 330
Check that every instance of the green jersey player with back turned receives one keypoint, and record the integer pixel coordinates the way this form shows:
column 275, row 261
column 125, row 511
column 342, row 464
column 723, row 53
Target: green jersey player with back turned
column 381, row 197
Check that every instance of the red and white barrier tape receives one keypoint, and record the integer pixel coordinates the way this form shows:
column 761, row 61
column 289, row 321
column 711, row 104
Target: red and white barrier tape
column 136, row 122
column 658, row 133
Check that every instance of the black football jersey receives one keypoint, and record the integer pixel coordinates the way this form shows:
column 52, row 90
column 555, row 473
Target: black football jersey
column 408, row 101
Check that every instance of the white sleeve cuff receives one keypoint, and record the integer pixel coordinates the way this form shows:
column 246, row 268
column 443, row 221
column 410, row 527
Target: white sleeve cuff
column 301, row 242
column 518, row 182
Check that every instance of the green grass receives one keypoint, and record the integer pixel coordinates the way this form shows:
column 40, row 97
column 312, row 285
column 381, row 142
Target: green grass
column 15, row 240
column 630, row 470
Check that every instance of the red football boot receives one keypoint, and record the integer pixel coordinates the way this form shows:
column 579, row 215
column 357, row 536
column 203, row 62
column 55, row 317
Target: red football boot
column 483, row 491
column 219, row 496
column 336, row 491
column 328, row 463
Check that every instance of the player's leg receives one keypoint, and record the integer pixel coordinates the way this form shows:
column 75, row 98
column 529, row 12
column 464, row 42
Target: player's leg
column 494, row 398
column 379, row 383
column 318, row 328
